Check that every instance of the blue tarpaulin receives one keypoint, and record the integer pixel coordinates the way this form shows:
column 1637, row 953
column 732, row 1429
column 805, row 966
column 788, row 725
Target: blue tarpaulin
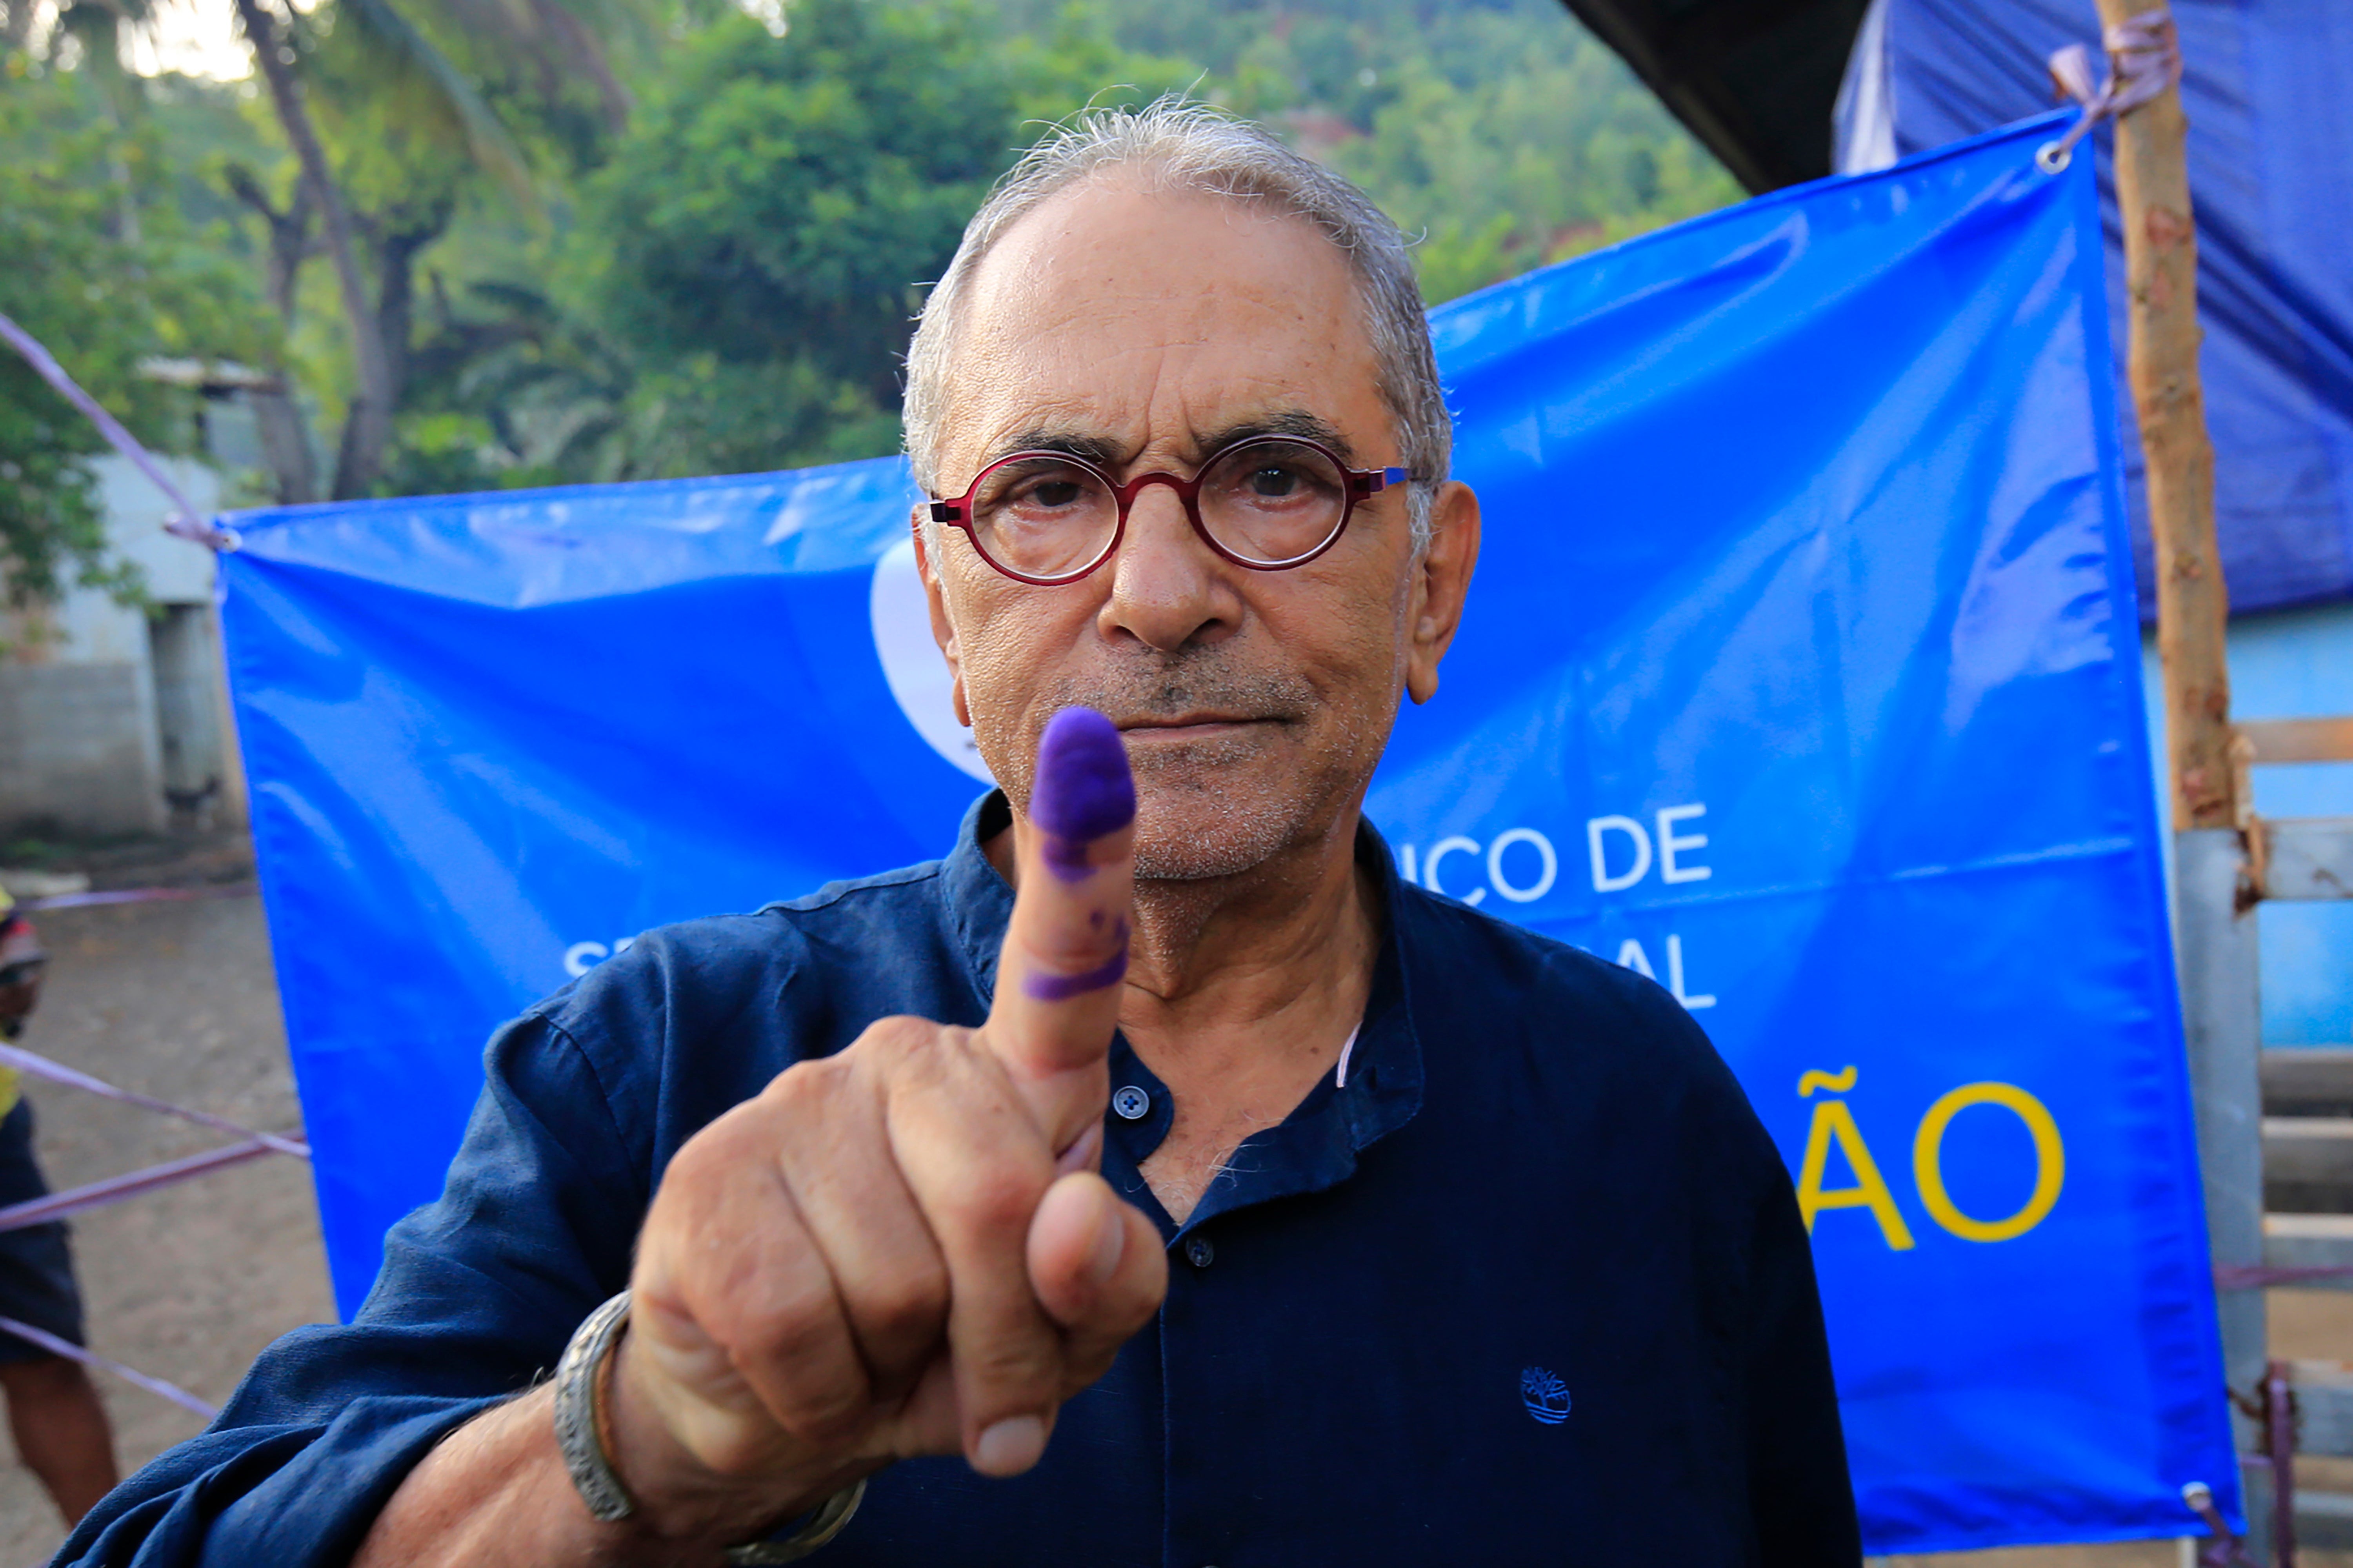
column 2271, row 176
column 1800, row 673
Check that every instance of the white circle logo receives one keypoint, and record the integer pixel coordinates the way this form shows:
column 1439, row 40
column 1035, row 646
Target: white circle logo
column 919, row 676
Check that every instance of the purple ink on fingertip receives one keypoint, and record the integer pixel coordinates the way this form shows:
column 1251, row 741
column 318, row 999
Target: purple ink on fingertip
column 1062, row 987
column 1066, row 857
column 1084, row 788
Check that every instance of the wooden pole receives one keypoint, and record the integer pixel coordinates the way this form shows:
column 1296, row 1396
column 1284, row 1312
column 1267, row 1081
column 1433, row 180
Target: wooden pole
column 2161, row 277
column 2214, row 924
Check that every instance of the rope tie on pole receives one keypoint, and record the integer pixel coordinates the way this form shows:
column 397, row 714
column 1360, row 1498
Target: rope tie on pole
column 2221, row 1549
column 2144, row 60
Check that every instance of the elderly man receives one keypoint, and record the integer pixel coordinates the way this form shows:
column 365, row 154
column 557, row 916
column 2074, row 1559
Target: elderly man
column 1157, row 1179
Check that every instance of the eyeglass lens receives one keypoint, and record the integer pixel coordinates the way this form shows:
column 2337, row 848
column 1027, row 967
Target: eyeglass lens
column 1267, row 502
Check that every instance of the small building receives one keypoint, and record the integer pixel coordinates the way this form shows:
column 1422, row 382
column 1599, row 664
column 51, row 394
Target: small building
column 114, row 718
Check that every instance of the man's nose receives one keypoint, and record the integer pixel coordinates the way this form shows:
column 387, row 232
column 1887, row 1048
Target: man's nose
column 1169, row 588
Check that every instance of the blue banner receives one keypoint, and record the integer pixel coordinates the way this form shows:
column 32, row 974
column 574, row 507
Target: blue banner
column 1800, row 673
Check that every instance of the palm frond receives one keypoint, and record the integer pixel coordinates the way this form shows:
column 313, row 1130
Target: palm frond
column 552, row 40
column 492, row 147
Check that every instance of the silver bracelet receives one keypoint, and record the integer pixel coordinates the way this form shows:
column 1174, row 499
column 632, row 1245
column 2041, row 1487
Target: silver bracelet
column 577, row 1437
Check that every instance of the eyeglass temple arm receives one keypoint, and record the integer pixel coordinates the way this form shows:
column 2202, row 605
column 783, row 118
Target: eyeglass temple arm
column 947, row 511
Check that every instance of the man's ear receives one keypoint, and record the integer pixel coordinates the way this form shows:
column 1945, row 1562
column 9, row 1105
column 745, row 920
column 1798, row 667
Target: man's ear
column 943, row 628
column 1443, row 580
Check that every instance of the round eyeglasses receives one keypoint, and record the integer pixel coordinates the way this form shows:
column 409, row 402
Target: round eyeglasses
column 1266, row 502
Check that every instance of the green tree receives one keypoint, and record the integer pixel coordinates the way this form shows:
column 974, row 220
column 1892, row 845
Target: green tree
column 1504, row 170
column 395, row 115
column 558, row 286
column 1499, row 132
column 737, row 284
column 759, row 242
column 105, row 275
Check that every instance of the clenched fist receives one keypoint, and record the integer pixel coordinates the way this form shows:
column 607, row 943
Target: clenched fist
column 905, row 1248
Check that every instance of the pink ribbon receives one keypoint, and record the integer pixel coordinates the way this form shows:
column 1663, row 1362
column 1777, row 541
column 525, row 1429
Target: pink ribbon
column 250, row 1145
column 187, row 523
column 71, row 1352
column 133, row 895
column 2243, row 1277
column 40, row 1066
column 2143, row 61
column 114, row 1189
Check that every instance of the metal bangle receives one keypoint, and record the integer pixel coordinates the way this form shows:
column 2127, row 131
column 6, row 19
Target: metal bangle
column 581, row 1441
column 577, row 1434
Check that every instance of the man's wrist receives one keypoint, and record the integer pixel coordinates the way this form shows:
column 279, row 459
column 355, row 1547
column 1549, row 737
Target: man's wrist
column 578, row 1413
column 677, row 1497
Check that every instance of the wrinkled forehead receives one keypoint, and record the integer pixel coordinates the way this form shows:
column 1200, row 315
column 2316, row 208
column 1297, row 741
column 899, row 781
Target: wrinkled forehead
column 1142, row 317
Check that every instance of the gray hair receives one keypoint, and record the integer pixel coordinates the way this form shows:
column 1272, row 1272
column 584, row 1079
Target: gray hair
column 1193, row 146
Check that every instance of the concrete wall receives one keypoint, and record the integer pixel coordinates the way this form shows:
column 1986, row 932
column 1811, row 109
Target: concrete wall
column 89, row 737
column 76, row 743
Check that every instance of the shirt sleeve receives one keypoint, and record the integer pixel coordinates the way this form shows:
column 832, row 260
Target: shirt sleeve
column 1801, row 1495
column 479, row 1292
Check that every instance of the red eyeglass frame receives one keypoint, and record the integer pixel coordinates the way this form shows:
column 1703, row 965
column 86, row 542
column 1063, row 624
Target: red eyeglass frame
column 1362, row 484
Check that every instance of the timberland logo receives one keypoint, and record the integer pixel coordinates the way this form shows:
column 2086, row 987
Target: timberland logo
column 1545, row 1395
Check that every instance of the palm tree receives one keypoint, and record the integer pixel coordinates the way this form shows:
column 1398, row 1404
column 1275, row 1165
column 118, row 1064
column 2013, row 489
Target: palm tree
column 367, row 427
column 425, row 94
column 540, row 36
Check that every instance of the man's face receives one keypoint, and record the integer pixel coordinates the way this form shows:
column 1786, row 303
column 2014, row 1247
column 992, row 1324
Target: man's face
column 1146, row 330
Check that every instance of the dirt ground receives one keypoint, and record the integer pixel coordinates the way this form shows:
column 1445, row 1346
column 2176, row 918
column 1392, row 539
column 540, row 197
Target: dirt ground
column 188, row 1284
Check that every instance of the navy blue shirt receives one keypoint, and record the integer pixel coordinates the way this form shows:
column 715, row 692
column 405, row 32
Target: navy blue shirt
column 1529, row 1287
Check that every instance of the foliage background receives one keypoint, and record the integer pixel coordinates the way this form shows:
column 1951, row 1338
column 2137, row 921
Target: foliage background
column 110, row 261
column 628, row 239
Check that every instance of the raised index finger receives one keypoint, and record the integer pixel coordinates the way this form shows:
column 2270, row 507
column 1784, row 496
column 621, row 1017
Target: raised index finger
column 1058, row 980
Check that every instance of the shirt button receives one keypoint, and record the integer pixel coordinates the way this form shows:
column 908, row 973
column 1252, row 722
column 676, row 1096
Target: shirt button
column 1131, row 1103
column 1199, row 1252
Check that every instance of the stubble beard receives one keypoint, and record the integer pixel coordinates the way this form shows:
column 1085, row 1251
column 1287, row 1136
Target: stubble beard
column 1228, row 809
column 1225, row 805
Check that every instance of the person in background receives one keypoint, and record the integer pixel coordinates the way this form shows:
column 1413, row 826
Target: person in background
column 53, row 1412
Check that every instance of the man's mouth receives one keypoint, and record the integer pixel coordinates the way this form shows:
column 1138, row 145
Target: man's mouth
column 1190, row 726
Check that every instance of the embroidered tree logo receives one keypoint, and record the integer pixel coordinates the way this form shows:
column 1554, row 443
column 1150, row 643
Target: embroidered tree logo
column 1545, row 1395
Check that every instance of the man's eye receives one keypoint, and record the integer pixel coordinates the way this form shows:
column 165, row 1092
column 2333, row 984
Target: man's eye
column 1272, row 481
column 1047, row 489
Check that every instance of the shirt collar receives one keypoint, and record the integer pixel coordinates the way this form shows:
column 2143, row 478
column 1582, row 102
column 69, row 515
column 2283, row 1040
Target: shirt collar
column 1314, row 1148
column 979, row 899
